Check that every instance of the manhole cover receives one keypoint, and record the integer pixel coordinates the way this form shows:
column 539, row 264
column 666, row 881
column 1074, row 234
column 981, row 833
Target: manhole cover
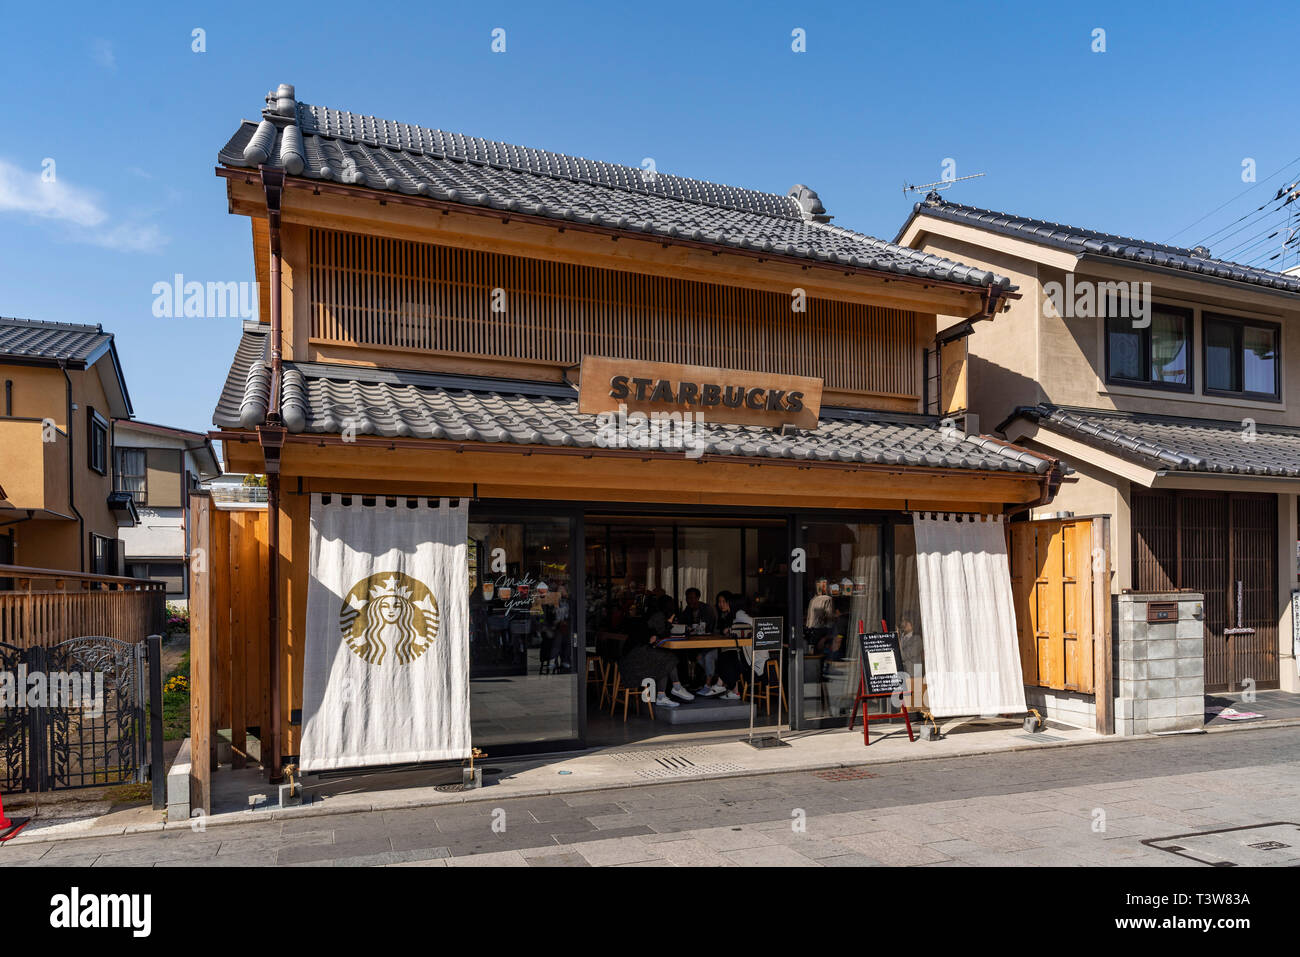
column 844, row 774
column 1255, row 845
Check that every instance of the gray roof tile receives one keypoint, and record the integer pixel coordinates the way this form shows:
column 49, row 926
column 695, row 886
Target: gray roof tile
column 328, row 399
column 30, row 339
column 1176, row 444
column 1079, row 241
column 326, row 144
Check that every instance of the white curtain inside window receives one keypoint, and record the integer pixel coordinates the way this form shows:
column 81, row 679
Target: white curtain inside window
column 972, row 655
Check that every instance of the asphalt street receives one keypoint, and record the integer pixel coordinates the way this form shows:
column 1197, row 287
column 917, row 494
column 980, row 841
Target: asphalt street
column 1181, row 801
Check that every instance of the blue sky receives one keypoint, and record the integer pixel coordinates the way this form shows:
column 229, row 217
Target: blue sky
column 1143, row 139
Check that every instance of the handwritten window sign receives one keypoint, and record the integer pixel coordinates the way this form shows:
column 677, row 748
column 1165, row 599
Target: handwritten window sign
column 767, row 633
column 882, row 662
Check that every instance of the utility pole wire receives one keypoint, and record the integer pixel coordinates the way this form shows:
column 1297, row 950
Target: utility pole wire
column 1234, row 199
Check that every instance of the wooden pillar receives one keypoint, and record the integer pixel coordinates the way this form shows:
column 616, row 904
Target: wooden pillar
column 1103, row 667
column 201, row 673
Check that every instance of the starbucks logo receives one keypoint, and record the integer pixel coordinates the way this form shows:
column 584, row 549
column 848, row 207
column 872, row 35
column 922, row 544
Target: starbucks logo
column 389, row 614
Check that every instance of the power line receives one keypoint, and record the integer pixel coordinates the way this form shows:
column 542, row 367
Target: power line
column 1290, row 194
column 1234, row 199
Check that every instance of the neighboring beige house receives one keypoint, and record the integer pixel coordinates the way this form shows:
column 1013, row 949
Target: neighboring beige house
column 1180, row 419
column 61, row 388
column 159, row 466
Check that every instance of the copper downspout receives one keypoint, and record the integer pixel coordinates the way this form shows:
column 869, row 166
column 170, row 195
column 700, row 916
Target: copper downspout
column 271, row 438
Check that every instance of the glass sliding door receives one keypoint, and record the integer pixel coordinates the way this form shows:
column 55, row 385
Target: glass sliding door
column 523, row 679
column 842, row 586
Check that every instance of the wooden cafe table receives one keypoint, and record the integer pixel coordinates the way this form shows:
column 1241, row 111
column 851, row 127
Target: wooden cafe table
column 693, row 642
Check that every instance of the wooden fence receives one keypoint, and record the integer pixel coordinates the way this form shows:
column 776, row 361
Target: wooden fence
column 45, row 606
column 229, row 636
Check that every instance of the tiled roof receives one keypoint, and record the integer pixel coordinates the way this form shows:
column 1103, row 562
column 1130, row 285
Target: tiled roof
column 1086, row 241
column 29, row 339
column 1176, row 444
column 329, row 399
column 325, row 144
column 246, row 394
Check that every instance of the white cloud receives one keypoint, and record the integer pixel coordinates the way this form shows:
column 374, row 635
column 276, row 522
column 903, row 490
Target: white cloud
column 78, row 210
column 102, row 51
column 129, row 238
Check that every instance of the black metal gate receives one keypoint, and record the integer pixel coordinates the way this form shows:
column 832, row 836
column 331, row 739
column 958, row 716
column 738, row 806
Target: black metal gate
column 75, row 716
column 15, row 723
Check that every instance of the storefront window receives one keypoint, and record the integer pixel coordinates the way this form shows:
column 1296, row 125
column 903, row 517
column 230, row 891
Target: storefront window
column 523, row 684
column 842, row 587
column 907, row 601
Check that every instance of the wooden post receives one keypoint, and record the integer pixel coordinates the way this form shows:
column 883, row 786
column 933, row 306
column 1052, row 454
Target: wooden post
column 157, row 771
column 201, row 619
column 1103, row 668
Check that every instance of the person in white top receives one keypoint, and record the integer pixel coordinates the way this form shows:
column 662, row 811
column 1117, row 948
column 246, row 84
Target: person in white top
column 734, row 620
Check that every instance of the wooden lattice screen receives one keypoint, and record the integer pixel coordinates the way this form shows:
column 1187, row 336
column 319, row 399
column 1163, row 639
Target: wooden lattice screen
column 391, row 293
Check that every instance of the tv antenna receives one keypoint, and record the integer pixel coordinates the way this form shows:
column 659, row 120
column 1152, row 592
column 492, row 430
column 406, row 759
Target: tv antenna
column 941, row 185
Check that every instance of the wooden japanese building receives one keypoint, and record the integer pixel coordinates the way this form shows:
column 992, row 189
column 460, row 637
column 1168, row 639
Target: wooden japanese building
column 443, row 315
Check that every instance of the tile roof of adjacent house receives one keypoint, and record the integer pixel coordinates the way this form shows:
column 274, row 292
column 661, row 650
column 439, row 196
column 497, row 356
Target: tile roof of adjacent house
column 52, row 341
column 327, row 399
column 351, row 149
column 1090, row 242
column 1168, row 443
column 77, row 346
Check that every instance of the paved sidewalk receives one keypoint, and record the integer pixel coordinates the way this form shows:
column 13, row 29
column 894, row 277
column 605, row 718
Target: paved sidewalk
column 1059, row 805
column 698, row 758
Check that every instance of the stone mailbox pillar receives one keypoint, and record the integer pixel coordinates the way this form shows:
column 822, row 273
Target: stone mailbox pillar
column 1159, row 662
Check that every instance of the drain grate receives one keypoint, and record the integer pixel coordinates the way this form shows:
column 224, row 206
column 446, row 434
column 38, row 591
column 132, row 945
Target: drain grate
column 844, row 774
column 678, row 771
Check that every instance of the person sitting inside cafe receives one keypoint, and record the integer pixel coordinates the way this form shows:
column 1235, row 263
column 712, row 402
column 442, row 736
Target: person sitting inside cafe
column 734, row 620
column 699, row 619
column 836, row 639
column 643, row 658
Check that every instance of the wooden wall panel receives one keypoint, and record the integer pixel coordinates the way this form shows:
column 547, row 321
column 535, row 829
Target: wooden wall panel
column 203, row 660
column 1052, row 583
column 415, row 297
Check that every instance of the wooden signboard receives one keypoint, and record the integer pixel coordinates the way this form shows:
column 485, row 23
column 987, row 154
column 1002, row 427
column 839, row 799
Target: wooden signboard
column 882, row 663
column 879, row 677
column 718, row 395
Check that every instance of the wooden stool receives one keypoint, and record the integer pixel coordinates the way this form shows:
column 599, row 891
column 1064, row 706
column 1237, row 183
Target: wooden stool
column 629, row 694
column 771, row 678
column 596, row 676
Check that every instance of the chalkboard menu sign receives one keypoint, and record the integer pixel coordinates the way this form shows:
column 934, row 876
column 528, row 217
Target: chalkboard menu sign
column 767, row 633
column 882, row 662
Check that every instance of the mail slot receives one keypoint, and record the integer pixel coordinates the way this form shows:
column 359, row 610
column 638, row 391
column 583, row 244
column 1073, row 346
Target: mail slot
column 1162, row 611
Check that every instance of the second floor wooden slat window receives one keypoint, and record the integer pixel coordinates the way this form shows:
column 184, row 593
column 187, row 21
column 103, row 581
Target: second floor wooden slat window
column 374, row 291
